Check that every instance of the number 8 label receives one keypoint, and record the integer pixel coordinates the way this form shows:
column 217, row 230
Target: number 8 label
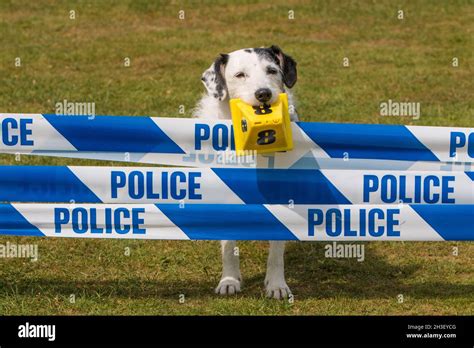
column 266, row 137
column 262, row 110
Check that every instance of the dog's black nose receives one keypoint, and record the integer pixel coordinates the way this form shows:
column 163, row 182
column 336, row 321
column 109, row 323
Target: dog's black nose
column 263, row 94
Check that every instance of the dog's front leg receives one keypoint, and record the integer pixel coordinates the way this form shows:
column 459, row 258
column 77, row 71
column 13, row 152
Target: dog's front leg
column 230, row 281
column 275, row 279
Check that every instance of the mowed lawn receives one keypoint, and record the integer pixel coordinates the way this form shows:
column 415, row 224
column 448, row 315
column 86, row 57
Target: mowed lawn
column 82, row 60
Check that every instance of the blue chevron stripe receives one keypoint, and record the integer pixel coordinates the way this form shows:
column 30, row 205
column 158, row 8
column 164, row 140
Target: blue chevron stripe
column 280, row 186
column 12, row 223
column 251, row 222
column 452, row 222
column 367, row 141
column 43, row 184
column 124, row 134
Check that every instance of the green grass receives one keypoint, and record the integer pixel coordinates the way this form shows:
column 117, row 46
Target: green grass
column 82, row 60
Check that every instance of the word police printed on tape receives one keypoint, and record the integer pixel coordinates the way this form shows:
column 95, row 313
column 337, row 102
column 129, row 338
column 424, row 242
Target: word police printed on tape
column 232, row 186
column 197, row 142
column 241, row 222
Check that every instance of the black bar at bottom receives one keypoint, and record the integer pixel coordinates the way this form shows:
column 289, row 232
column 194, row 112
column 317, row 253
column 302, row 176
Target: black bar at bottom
column 354, row 330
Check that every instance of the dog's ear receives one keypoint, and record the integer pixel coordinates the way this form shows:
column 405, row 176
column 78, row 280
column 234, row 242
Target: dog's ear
column 214, row 80
column 288, row 66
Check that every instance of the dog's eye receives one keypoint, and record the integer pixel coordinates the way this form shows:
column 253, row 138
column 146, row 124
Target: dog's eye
column 240, row 75
column 272, row 71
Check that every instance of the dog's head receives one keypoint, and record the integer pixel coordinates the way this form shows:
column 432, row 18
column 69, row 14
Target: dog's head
column 255, row 75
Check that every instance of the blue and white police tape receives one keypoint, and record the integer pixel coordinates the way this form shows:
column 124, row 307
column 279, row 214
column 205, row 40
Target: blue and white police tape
column 209, row 143
column 404, row 222
column 232, row 185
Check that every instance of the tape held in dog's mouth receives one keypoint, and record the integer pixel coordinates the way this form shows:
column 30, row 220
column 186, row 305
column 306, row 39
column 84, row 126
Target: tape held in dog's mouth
column 263, row 129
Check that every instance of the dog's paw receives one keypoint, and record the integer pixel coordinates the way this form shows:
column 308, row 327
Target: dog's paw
column 228, row 286
column 277, row 289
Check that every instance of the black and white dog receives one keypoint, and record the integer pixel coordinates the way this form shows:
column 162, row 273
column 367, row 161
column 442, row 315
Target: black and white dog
column 257, row 76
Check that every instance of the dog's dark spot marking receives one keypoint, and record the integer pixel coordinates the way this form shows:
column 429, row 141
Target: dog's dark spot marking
column 287, row 65
column 248, row 50
column 213, row 77
column 219, row 65
column 267, row 54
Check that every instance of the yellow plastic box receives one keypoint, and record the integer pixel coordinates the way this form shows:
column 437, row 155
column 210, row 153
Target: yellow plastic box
column 264, row 128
